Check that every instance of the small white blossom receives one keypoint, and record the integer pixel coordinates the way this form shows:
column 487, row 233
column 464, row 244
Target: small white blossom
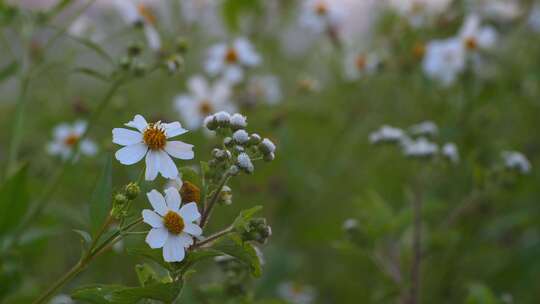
column 244, row 162
column 321, row 15
column 223, row 117
column 296, row 293
column 203, row 100
column 238, row 121
column 427, row 128
column 386, row 134
column 475, row 36
column 151, row 140
column 229, row 60
column 66, row 137
column 173, row 228
column 135, row 13
column 241, row 136
column 516, row 161
column 450, row 151
column 268, row 146
column 350, row 224
column 420, row 147
column 444, row 60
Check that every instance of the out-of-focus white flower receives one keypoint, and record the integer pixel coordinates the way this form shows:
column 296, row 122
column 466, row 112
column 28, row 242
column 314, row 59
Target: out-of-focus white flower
column 321, row 15
column 475, row 36
column 244, row 162
column 534, row 18
column 86, row 27
column 151, row 140
column 360, row 64
column 444, row 60
column 516, row 161
column 426, row 128
column 419, row 12
column 420, row 147
column 203, row 100
column 350, row 224
column 173, row 228
column 387, row 134
column 205, row 13
column 175, row 183
column 137, row 13
column 450, row 152
column 296, row 293
column 499, row 10
column 66, row 137
column 265, row 88
column 61, row 299
column 229, row 60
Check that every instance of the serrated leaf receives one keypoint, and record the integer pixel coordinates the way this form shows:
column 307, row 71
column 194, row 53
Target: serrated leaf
column 14, row 200
column 92, row 73
column 245, row 215
column 243, row 251
column 101, row 197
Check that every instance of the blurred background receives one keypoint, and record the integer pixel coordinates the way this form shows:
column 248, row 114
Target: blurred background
column 340, row 197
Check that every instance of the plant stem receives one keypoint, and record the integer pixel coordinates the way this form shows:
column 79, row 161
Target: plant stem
column 417, row 248
column 214, row 237
column 208, row 209
column 68, row 276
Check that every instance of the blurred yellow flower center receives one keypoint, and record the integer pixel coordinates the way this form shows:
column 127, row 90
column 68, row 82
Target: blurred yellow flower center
column 360, row 62
column 173, row 222
column 147, row 14
column 231, row 56
column 71, row 140
column 321, row 8
column 154, row 136
column 471, row 43
column 419, row 50
column 205, row 107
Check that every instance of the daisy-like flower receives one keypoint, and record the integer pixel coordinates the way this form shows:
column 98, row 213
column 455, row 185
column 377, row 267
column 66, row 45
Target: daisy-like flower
column 475, row 37
column 387, row 134
column 66, row 138
column 230, row 59
column 420, row 147
column 151, row 140
column 265, row 88
column 444, row 60
column 516, row 161
column 358, row 65
column 173, row 228
column 296, row 293
column 321, row 15
column 450, row 152
column 137, row 13
column 203, row 100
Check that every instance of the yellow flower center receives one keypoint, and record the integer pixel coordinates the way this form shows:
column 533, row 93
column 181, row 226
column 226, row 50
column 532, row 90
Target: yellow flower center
column 147, row 14
column 71, row 140
column 419, row 50
column 205, row 107
column 154, row 136
column 360, row 62
column 470, row 43
column 231, row 56
column 173, row 222
column 321, row 8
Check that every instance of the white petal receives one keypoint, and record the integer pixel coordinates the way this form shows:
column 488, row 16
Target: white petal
column 156, row 237
column 189, row 212
column 192, row 229
column 138, row 123
column 62, row 131
column 172, row 197
column 79, row 127
column 233, row 74
column 186, row 239
column 179, row 150
column 167, row 167
column 152, row 165
column 173, row 251
column 173, row 129
column 88, row 147
column 152, row 36
column 129, row 155
column 157, row 201
column 126, row 137
column 198, row 86
column 152, row 218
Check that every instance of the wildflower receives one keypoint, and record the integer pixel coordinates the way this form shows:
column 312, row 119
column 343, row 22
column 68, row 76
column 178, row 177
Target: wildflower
column 350, row 224
column 450, row 151
column 514, row 160
column 419, row 148
column 238, row 121
column 151, row 140
column 66, row 137
column 474, row 36
column 241, row 137
column 173, row 228
column 358, row 65
column 419, row 12
column 296, row 293
column 203, row 100
column 229, row 60
column 426, row 128
column 265, row 88
column 386, row 134
column 267, row 146
column 321, row 15
column 444, row 60
column 244, row 162
column 139, row 14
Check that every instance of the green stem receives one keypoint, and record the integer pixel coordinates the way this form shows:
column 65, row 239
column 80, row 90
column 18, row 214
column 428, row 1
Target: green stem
column 208, row 209
column 214, row 237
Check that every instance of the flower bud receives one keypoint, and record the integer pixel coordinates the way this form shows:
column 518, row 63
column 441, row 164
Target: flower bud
column 120, row 199
column 190, row 193
column 210, row 122
column 228, row 142
column 238, row 121
column 223, row 119
column 225, row 196
column 256, row 230
column 267, row 146
column 182, row 45
column 124, row 63
column 244, row 163
column 254, row 139
column 241, row 137
column 234, row 170
column 175, row 63
column 269, row 157
column 132, row 190
column 139, row 69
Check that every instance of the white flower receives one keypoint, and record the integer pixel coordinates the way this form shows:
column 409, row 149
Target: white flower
column 240, row 136
column 61, row 299
column 516, row 161
column 386, row 134
column 203, row 100
column 427, row 128
column 66, row 137
column 135, row 13
column 450, row 151
column 296, row 293
column 476, row 37
column 267, row 146
column 358, row 65
column 418, row 12
column 229, row 60
column 150, row 140
column 173, row 228
column 350, row 224
column 238, row 120
column 444, row 60
column 244, row 162
column 321, row 15
column 419, row 148
column 265, row 88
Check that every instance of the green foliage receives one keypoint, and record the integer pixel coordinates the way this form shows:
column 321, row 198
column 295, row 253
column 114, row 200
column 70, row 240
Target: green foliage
column 233, row 10
column 14, row 200
column 243, row 251
column 243, row 218
column 117, row 294
column 481, row 294
column 100, row 202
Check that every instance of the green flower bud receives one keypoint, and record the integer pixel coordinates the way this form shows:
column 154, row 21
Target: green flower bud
column 134, row 49
column 120, row 199
column 132, row 190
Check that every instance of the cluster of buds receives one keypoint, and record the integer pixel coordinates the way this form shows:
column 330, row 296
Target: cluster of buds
column 131, row 62
column 122, row 199
column 256, row 230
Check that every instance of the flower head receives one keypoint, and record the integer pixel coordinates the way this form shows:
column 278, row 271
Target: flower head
column 321, row 15
column 173, row 228
column 140, row 14
column 475, row 37
column 425, row 128
column 152, row 140
column 66, row 137
column 387, row 134
column 419, row 148
column 444, row 60
column 516, row 161
column 229, row 60
column 450, row 152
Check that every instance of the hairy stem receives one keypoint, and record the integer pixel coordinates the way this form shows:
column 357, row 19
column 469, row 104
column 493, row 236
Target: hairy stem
column 208, row 209
column 214, row 237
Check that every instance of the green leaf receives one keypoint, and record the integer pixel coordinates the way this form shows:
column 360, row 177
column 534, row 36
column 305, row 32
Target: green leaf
column 243, row 218
column 480, row 294
column 147, row 275
column 151, row 254
column 95, row 294
column 117, row 294
column 243, row 251
column 92, row 73
column 8, row 70
column 101, row 198
column 190, row 175
column 85, row 236
column 14, row 200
